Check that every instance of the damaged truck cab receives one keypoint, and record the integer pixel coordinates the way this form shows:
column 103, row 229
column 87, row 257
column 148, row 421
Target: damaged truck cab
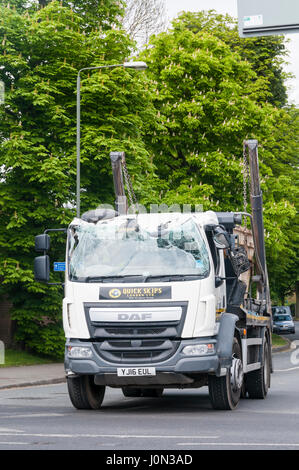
column 157, row 301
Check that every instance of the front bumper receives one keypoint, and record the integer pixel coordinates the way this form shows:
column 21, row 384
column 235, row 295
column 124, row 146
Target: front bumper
column 289, row 329
column 177, row 370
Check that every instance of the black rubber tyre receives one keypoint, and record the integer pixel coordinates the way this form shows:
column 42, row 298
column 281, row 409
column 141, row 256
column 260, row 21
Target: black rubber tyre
column 258, row 381
column 223, row 395
column 243, row 390
column 131, row 392
column 84, row 394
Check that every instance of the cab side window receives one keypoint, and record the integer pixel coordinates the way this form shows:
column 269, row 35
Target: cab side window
column 214, row 252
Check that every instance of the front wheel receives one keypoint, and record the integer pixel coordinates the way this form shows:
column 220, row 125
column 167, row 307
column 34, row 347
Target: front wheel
column 84, row 394
column 225, row 392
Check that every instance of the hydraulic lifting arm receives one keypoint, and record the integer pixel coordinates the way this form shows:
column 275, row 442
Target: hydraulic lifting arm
column 117, row 159
column 256, row 198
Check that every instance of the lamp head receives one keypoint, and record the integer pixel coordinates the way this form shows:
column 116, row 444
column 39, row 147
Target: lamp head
column 135, row 65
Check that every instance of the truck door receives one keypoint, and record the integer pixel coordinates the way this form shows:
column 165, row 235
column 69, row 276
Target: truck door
column 221, row 290
column 219, row 269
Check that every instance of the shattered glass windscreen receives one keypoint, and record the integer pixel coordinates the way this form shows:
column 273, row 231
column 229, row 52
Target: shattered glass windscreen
column 126, row 247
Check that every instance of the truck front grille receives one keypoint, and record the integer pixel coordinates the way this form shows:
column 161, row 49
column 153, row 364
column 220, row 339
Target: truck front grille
column 136, row 331
column 136, row 342
column 145, row 331
column 135, row 351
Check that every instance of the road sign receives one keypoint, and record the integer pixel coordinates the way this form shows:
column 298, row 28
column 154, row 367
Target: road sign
column 59, row 266
column 267, row 17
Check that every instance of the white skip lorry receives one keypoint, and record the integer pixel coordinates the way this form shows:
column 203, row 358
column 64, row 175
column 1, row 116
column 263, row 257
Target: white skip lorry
column 172, row 300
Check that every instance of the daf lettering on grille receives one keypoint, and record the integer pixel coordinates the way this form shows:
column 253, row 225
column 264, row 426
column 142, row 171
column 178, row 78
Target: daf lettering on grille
column 134, row 316
column 139, row 315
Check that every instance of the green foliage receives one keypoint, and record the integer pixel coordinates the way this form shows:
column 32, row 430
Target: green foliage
column 182, row 126
column 98, row 13
column 41, row 53
column 281, row 208
column 208, row 100
column 265, row 53
column 206, row 105
column 95, row 14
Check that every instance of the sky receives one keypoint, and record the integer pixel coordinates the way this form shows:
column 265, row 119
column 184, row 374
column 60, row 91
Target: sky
column 230, row 6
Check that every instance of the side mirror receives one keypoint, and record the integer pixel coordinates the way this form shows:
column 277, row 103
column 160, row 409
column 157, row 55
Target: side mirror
column 42, row 242
column 218, row 281
column 221, row 238
column 42, row 268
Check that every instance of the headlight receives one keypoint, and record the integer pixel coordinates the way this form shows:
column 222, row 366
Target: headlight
column 199, row 349
column 79, row 352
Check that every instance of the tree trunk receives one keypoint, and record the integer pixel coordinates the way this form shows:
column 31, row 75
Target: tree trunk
column 6, row 323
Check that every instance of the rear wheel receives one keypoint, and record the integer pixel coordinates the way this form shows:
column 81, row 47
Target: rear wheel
column 225, row 392
column 258, row 381
column 84, row 394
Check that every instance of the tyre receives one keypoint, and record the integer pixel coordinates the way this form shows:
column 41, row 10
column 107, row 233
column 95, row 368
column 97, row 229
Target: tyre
column 243, row 389
column 225, row 392
column 84, row 394
column 258, row 381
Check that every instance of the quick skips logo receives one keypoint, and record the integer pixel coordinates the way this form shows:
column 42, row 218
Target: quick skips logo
column 135, row 293
column 114, row 293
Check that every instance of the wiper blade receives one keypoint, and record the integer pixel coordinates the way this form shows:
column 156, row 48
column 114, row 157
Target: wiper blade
column 124, row 278
column 174, row 277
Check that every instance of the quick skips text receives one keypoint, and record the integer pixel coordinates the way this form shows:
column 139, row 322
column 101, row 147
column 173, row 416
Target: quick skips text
column 135, row 293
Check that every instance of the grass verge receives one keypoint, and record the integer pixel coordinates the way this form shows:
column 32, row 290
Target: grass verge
column 22, row 358
column 278, row 341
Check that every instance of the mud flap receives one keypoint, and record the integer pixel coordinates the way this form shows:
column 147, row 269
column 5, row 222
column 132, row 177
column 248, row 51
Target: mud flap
column 225, row 339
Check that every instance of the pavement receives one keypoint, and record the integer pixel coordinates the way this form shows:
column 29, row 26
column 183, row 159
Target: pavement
column 26, row 376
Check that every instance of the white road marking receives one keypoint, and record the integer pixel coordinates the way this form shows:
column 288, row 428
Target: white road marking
column 239, row 444
column 35, row 415
column 10, row 430
column 286, row 370
column 118, row 436
column 271, row 412
column 14, row 443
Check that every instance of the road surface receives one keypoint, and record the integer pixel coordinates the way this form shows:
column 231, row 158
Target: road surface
column 42, row 417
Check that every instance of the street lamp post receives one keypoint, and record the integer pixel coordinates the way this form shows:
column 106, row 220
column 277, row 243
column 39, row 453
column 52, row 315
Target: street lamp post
column 127, row 65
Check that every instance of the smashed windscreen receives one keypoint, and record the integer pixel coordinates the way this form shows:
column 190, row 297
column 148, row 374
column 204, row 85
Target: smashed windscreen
column 124, row 247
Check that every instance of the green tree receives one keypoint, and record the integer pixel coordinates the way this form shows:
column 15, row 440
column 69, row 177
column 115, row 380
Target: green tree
column 101, row 14
column 41, row 53
column 281, row 212
column 266, row 54
column 208, row 100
